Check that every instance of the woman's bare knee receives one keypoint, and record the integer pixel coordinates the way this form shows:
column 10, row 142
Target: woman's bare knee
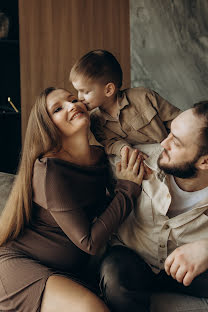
column 63, row 294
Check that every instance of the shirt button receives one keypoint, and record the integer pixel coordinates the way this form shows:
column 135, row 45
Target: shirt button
column 166, row 227
column 160, row 176
column 162, row 246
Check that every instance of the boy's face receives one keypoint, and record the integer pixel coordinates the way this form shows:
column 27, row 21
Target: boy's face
column 90, row 93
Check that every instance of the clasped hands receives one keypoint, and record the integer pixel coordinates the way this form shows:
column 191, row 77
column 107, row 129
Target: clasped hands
column 131, row 166
column 147, row 170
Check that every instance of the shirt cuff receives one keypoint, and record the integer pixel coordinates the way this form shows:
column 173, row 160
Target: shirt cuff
column 116, row 147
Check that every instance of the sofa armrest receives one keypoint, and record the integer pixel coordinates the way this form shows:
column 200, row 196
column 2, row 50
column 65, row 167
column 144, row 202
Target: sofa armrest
column 6, row 181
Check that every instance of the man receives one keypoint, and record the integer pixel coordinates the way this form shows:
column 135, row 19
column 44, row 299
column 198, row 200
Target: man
column 163, row 244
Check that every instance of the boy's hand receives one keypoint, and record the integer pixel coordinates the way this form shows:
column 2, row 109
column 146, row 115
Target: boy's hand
column 147, row 170
column 130, row 167
column 131, row 149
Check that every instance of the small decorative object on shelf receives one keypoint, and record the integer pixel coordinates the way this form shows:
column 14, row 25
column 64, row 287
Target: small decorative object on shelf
column 4, row 25
column 12, row 104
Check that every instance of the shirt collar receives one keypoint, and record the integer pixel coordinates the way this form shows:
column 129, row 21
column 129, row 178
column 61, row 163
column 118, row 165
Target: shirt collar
column 122, row 102
column 154, row 152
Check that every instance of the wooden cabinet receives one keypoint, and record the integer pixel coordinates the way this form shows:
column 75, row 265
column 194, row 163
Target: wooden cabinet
column 10, row 120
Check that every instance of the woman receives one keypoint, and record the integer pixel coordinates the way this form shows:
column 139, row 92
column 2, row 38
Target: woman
column 55, row 217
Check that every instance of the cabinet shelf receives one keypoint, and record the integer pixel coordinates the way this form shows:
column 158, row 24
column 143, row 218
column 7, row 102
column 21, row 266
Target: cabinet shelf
column 8, row 42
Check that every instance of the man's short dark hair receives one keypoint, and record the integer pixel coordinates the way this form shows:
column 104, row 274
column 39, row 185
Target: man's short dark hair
column 201, row 110
column 98, row 66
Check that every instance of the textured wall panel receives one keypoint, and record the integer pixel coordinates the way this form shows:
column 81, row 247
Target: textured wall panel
column 169, row 48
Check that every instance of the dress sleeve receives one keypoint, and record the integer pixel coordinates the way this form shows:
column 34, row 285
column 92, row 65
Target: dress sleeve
column 65, row 209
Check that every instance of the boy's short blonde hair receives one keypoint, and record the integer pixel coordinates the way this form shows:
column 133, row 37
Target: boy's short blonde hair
column 100, row 66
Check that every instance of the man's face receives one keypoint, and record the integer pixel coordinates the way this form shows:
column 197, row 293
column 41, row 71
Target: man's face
column 181, row 148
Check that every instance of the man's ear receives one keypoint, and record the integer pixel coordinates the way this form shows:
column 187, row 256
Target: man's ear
column 203, row 162
column 109, row 89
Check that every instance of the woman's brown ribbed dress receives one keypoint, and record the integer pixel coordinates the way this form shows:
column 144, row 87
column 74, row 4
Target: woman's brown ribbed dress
column 69, row 222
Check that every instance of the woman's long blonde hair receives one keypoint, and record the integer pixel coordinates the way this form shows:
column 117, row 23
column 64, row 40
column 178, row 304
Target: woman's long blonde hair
column 41, row 137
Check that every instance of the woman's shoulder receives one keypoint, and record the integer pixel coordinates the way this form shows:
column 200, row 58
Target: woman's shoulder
column 50, row 162
column 47, row 163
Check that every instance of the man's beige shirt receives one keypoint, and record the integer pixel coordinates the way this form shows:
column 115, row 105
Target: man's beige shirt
column 149, row 231
column 144, row 117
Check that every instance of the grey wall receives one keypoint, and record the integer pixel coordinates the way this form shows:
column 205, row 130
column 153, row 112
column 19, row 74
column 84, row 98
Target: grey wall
column 169, row 48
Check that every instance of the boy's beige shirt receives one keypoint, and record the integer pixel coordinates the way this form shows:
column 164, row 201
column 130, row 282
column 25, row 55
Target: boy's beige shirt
column 144, row 117
column 149, row 231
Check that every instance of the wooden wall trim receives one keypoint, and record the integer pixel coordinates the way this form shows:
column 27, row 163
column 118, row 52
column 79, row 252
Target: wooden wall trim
column 53, row 34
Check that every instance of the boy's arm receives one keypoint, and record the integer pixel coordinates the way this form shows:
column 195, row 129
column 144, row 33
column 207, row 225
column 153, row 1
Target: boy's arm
column 166, row 111
column 113, row 145
column 111, row 141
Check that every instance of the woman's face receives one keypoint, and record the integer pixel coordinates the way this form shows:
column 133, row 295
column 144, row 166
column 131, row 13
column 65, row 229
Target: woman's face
column 69, row 115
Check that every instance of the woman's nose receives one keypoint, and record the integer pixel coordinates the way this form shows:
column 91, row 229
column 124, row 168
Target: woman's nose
column 69, row 105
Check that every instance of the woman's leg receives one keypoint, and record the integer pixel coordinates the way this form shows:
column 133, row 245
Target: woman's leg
column 126, row 280
column 65, row 295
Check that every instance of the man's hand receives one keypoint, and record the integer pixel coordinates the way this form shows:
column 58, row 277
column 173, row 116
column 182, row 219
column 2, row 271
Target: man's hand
column 188, row 261
column 130, row 168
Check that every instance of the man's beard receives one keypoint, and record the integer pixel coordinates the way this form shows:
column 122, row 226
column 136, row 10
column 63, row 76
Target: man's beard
column 184, row 170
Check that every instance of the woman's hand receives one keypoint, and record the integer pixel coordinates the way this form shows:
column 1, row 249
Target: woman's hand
column 130, row 167
column 147, row 170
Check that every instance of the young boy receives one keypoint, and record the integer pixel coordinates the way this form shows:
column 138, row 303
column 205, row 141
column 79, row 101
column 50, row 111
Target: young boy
column 122, row 118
